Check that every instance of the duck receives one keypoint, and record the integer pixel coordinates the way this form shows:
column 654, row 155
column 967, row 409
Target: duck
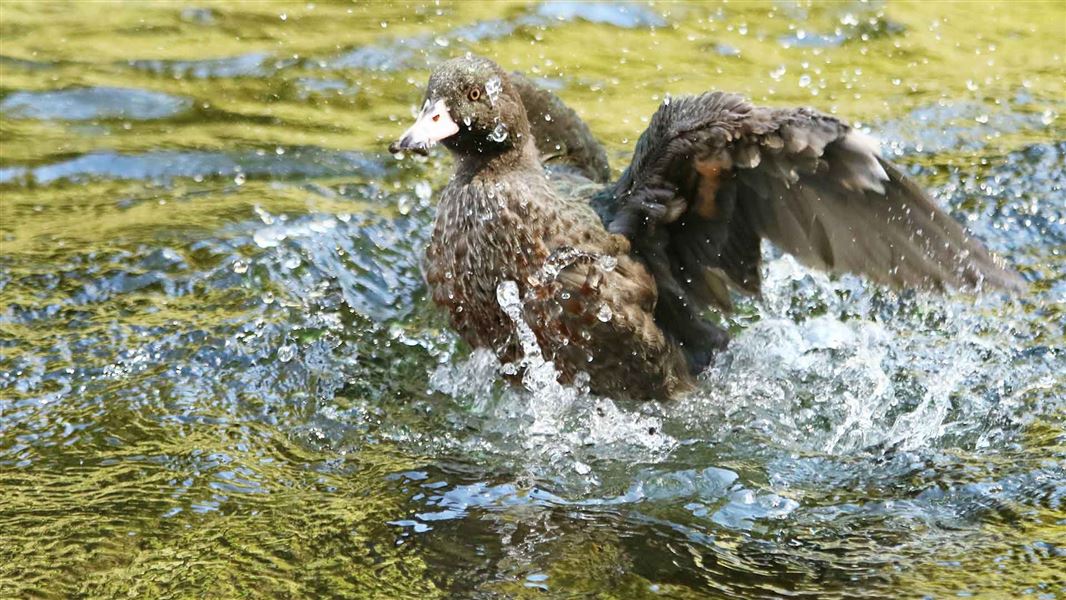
column 617, row 282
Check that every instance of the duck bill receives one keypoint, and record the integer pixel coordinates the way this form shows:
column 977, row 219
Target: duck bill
column 432, row 126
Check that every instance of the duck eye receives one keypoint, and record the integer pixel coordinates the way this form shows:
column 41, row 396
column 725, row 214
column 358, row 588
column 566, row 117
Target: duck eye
column 474, row 94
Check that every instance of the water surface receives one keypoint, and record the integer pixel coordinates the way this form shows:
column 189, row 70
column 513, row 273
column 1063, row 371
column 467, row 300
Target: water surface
column 221, row 376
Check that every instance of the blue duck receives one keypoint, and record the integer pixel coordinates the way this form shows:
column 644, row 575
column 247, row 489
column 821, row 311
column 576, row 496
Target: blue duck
column 615, row 278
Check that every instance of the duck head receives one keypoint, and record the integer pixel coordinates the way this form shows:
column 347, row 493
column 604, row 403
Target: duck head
column 471, row 108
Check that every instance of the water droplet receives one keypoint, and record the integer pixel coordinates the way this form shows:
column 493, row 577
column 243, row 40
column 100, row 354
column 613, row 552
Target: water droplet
column 264, row 216
column 982, row 119
column 239, row 179
column 286, row 352
column 493, row 87
column 404, row 204
column 441, row 41
column 547, row 117
column 268, row 297
column 291, row 262
column 607, row 263
column 604, row 314
column 499, row 134
column 423, row 191
column 778, row 73
column 268, row 238
column 240, row 266
column 805, row 80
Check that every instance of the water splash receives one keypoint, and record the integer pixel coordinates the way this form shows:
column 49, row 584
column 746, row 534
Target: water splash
column 538, row 375
column 493, row 87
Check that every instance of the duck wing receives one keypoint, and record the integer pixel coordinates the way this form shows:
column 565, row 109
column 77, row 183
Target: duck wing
column 562, row 138
column 713, row 175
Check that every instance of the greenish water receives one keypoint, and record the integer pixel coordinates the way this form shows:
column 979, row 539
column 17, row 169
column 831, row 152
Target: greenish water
column 220, row 376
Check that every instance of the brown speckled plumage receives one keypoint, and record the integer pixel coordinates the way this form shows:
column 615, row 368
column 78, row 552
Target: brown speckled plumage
column 615, row 278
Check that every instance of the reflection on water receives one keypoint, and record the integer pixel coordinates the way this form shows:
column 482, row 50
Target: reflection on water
column 220, row 377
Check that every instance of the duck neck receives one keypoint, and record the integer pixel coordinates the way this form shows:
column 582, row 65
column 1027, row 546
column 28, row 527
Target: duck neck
column 482, row 163
column 502, row 201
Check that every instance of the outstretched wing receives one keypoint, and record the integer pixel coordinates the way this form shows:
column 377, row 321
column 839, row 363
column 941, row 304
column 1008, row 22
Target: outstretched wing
column 713, row 175
column 561, row 136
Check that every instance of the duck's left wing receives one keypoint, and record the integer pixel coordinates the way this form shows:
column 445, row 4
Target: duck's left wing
column 713, row 175
column 561, row 136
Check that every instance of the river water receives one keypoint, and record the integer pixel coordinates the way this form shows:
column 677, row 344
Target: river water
column 221, row 376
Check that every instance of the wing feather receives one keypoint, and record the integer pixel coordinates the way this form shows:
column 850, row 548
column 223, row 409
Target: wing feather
column 733, row 174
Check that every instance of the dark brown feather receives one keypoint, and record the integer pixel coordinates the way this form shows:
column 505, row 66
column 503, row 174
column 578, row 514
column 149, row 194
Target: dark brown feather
column 803, row 180
column 562, row 138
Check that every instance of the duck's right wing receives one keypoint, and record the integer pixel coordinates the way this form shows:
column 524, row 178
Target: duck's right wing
column 713, row 175
column 561, row 136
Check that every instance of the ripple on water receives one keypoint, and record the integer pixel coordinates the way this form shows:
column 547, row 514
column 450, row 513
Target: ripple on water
column 627, row 15
column 961, row 125
column 420, row 51
column 85, row 104
column 196, row 402
column 255, row 64
column 163, row 165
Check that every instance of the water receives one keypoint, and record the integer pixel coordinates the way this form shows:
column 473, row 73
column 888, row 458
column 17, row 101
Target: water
column 220, row 375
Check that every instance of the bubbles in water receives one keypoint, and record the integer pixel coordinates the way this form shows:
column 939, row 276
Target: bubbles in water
column 499, row 134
